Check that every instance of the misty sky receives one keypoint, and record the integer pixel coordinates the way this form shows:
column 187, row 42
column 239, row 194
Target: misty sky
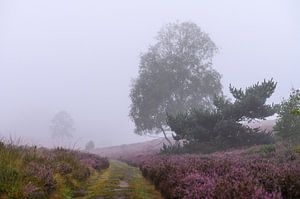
column 80, row 56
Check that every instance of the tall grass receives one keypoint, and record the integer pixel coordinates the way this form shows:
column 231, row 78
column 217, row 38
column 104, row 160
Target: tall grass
column 31, row 172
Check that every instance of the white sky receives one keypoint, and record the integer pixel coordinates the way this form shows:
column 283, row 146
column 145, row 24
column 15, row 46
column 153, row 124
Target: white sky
column 80, row 56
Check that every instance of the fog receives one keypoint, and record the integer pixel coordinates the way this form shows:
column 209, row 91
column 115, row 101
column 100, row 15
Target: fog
column 80, row 56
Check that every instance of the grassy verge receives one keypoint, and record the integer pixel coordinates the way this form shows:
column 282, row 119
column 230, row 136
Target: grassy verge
column 30, row 172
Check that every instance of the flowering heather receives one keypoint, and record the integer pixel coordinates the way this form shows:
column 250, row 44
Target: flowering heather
column 28, row 172
column 221, row 176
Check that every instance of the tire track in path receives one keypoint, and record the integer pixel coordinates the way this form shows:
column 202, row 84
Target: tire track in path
column 120, row 181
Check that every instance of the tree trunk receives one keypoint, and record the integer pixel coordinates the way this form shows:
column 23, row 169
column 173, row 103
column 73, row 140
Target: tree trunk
column 169, row 141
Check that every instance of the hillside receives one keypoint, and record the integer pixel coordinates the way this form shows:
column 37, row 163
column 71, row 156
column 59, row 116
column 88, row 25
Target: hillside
column 145, row 148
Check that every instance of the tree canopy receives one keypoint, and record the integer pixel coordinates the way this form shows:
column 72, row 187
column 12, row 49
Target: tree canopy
column 175, row 75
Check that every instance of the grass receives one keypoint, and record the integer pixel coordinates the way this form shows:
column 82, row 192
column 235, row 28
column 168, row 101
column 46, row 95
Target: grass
column 33, row 173
column 297, row 149
column 11, row 176
column 143, row 189
column 120, row 181
column 29, row 172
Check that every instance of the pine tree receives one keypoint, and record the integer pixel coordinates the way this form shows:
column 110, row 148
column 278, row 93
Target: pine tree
column 223, row 126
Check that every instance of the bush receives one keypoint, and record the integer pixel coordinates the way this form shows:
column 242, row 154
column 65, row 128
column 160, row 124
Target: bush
column 10, row 182
column 221, row 176
column 191, row 147
column 288, row 123
column 42, row 176
column 297, row 150
column 267, row 148
column 29, row 172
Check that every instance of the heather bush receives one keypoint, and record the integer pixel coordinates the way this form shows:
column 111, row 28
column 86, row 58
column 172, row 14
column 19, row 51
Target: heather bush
column 42, row 176
column 281, row 152
column 94, row 161
column 31, row 172
column 63, row 168
column 81, row 173
column 223, row 175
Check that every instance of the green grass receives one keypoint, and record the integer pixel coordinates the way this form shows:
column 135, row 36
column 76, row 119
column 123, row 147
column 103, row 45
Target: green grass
column 28, row 172
column 11, row 175
column 107, row 183
column 297, row 149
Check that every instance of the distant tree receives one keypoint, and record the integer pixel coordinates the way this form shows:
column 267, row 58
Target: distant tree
column 175, row 75
column 288, row 123
column 222, row 126
column 62, row 125
column 90, row 145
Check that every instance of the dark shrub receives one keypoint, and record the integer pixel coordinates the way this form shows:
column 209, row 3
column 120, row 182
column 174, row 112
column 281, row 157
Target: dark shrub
column 222, row 126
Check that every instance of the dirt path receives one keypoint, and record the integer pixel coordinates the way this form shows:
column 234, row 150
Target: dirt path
column 120, row 181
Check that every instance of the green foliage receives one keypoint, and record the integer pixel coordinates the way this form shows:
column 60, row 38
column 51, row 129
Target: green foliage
column 251, row 103
column 295, row 111
column 172, row 149
column 297, row 150
column 222, row 127
column 190, row 147
column 175, row 75
column 28, row 172
column 267, row 148
column 10, row 181
column 11, row 178
column 288, row 123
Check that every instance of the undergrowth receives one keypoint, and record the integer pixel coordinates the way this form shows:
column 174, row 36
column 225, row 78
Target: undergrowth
column 30, row 172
